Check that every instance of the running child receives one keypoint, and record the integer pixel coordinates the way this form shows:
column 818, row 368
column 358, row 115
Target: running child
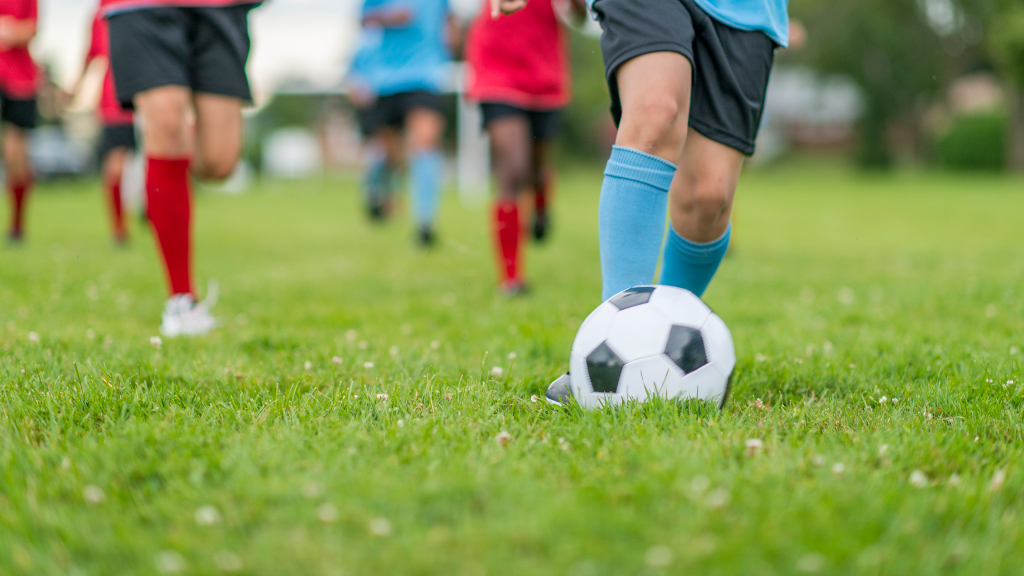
column 519, row 73
column 688, row 80
column 172, row 59
column 396, row 80
column 19, row 81
column 118, row 138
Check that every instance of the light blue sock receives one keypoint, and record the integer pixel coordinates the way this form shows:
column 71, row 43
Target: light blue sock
column 425, row 179
column 692, row 265
column 375, row 174
column 631, row 218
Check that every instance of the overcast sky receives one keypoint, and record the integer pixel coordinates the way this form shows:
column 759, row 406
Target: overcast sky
column 309, row 39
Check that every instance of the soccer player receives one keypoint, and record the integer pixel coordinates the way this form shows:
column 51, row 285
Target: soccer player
column 118, row 139
column 688, row 80
column 396, row 78
column 174, row 60
column 519, row 72
column 19, row 80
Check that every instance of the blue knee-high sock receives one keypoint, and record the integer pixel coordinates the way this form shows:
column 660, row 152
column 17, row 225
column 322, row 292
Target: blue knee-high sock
column 631, row 218
column 692, row 265
column 425, row 178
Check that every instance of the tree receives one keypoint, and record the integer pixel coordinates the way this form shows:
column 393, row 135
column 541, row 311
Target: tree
column 1005, row 42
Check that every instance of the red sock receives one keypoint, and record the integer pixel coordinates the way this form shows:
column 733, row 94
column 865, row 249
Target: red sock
column 169, row 204
column 507, row 235
column 116, row 209
column 18, row 192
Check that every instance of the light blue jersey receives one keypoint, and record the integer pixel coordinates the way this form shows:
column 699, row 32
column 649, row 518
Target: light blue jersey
column 407, row 58
column 768, row 16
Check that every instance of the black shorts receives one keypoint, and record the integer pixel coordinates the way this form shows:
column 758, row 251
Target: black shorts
column 730, row 66
column 116, row 136
column 390, row 111
column 20, row 112
column 204, row 49
column 544, row 124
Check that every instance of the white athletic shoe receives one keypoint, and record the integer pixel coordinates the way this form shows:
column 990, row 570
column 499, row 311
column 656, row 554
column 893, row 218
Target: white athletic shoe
column 183, row 316
column 560, row 392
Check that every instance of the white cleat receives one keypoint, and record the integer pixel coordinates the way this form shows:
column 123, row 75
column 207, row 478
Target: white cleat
column 183, row 316
column 560, row 391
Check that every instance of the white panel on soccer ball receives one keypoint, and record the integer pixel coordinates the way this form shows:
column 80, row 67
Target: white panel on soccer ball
column 647, row 377
column 594, row 330
column 718, row 343
column 638, row 332
column 707, row 383
column 680, row 307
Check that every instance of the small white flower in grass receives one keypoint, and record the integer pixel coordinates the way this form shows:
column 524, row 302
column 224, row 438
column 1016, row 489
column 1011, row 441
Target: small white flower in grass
column 918, row 479
column 882, row 450
column 658, row 556
column 758, row 403
column 954, row 479
column 1014, row 350
column 393, row 351
column 65, row 463
column 93, row 494
column 351, row 335
column 207, row 516
column 90, row 333
column 401, row 423
column 367, row 365
column 170, row 562
column 838, row 468
column 827, row 346
column 760, row 358
column 308, row 365
column 998, row 479
column 497, row 371
column 336, row 360
column 382, row 396
column 818, row 460
column 563, row 444
column 327, row 513
column 363, row 345
column 699, row 484
column 718, row 497
column 810, row 563
column 846, row 296
column 883, row 400
column 503, row 438
column 533, row 398
column 853, row 365
column 227, row 561
column 434, row 344
column 33, row 337
column 312, row 490
column 928, row 415
column 976, row 438
column 380, row 527
column 1009, row 381
column 155, row 342
column 511, row 355
column 754, row 446
column 895, row 400
column 988, row 380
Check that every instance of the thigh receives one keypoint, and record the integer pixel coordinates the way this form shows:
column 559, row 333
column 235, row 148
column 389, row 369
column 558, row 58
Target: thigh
column 19, row 112
column 545, row 125
column 731, row 70
column 218, row 133
column 149, row 49
column 633, row 28
column 219, row 50
column 424, row 126
column 510, row 142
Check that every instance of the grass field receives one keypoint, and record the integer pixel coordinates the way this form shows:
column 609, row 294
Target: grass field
column 253, row 451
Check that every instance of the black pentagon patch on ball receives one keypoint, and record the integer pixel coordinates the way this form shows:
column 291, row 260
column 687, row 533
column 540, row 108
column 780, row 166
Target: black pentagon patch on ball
column 632, row 297
column 686, row 348
column 604, row 368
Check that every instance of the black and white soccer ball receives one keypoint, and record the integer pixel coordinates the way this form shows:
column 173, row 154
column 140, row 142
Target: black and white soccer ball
column 651, row 341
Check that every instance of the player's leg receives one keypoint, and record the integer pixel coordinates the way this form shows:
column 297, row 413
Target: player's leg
column 654, row 91
column 544, row 127
column 113, row 170
column 19, row 176
column 512, row 165
column 218, row 135
column 424, row 126
column 700, row 204
column 731, row 71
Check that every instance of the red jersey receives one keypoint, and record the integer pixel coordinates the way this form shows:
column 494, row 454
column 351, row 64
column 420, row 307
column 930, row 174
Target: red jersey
column 521, row 59
column 19, row 76
column 108, row 7
column 110, row 109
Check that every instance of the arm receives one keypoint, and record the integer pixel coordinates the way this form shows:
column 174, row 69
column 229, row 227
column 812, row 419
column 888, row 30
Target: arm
column 16, row 33
column 578, row 9
column 454, row 35
column 499, row 7
column 388, row 17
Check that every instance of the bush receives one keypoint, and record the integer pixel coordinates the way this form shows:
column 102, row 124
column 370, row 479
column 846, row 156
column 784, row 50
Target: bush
column 975, row 142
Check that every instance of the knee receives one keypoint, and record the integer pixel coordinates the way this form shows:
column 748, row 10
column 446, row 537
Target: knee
column 653, row 122
column 706, row 196
column 218, row 168
column 167, row 127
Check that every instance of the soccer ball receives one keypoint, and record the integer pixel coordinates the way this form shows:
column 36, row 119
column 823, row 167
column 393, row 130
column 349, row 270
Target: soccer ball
column 651, row 341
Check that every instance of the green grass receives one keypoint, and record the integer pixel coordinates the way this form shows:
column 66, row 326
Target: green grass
column 841, row 289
